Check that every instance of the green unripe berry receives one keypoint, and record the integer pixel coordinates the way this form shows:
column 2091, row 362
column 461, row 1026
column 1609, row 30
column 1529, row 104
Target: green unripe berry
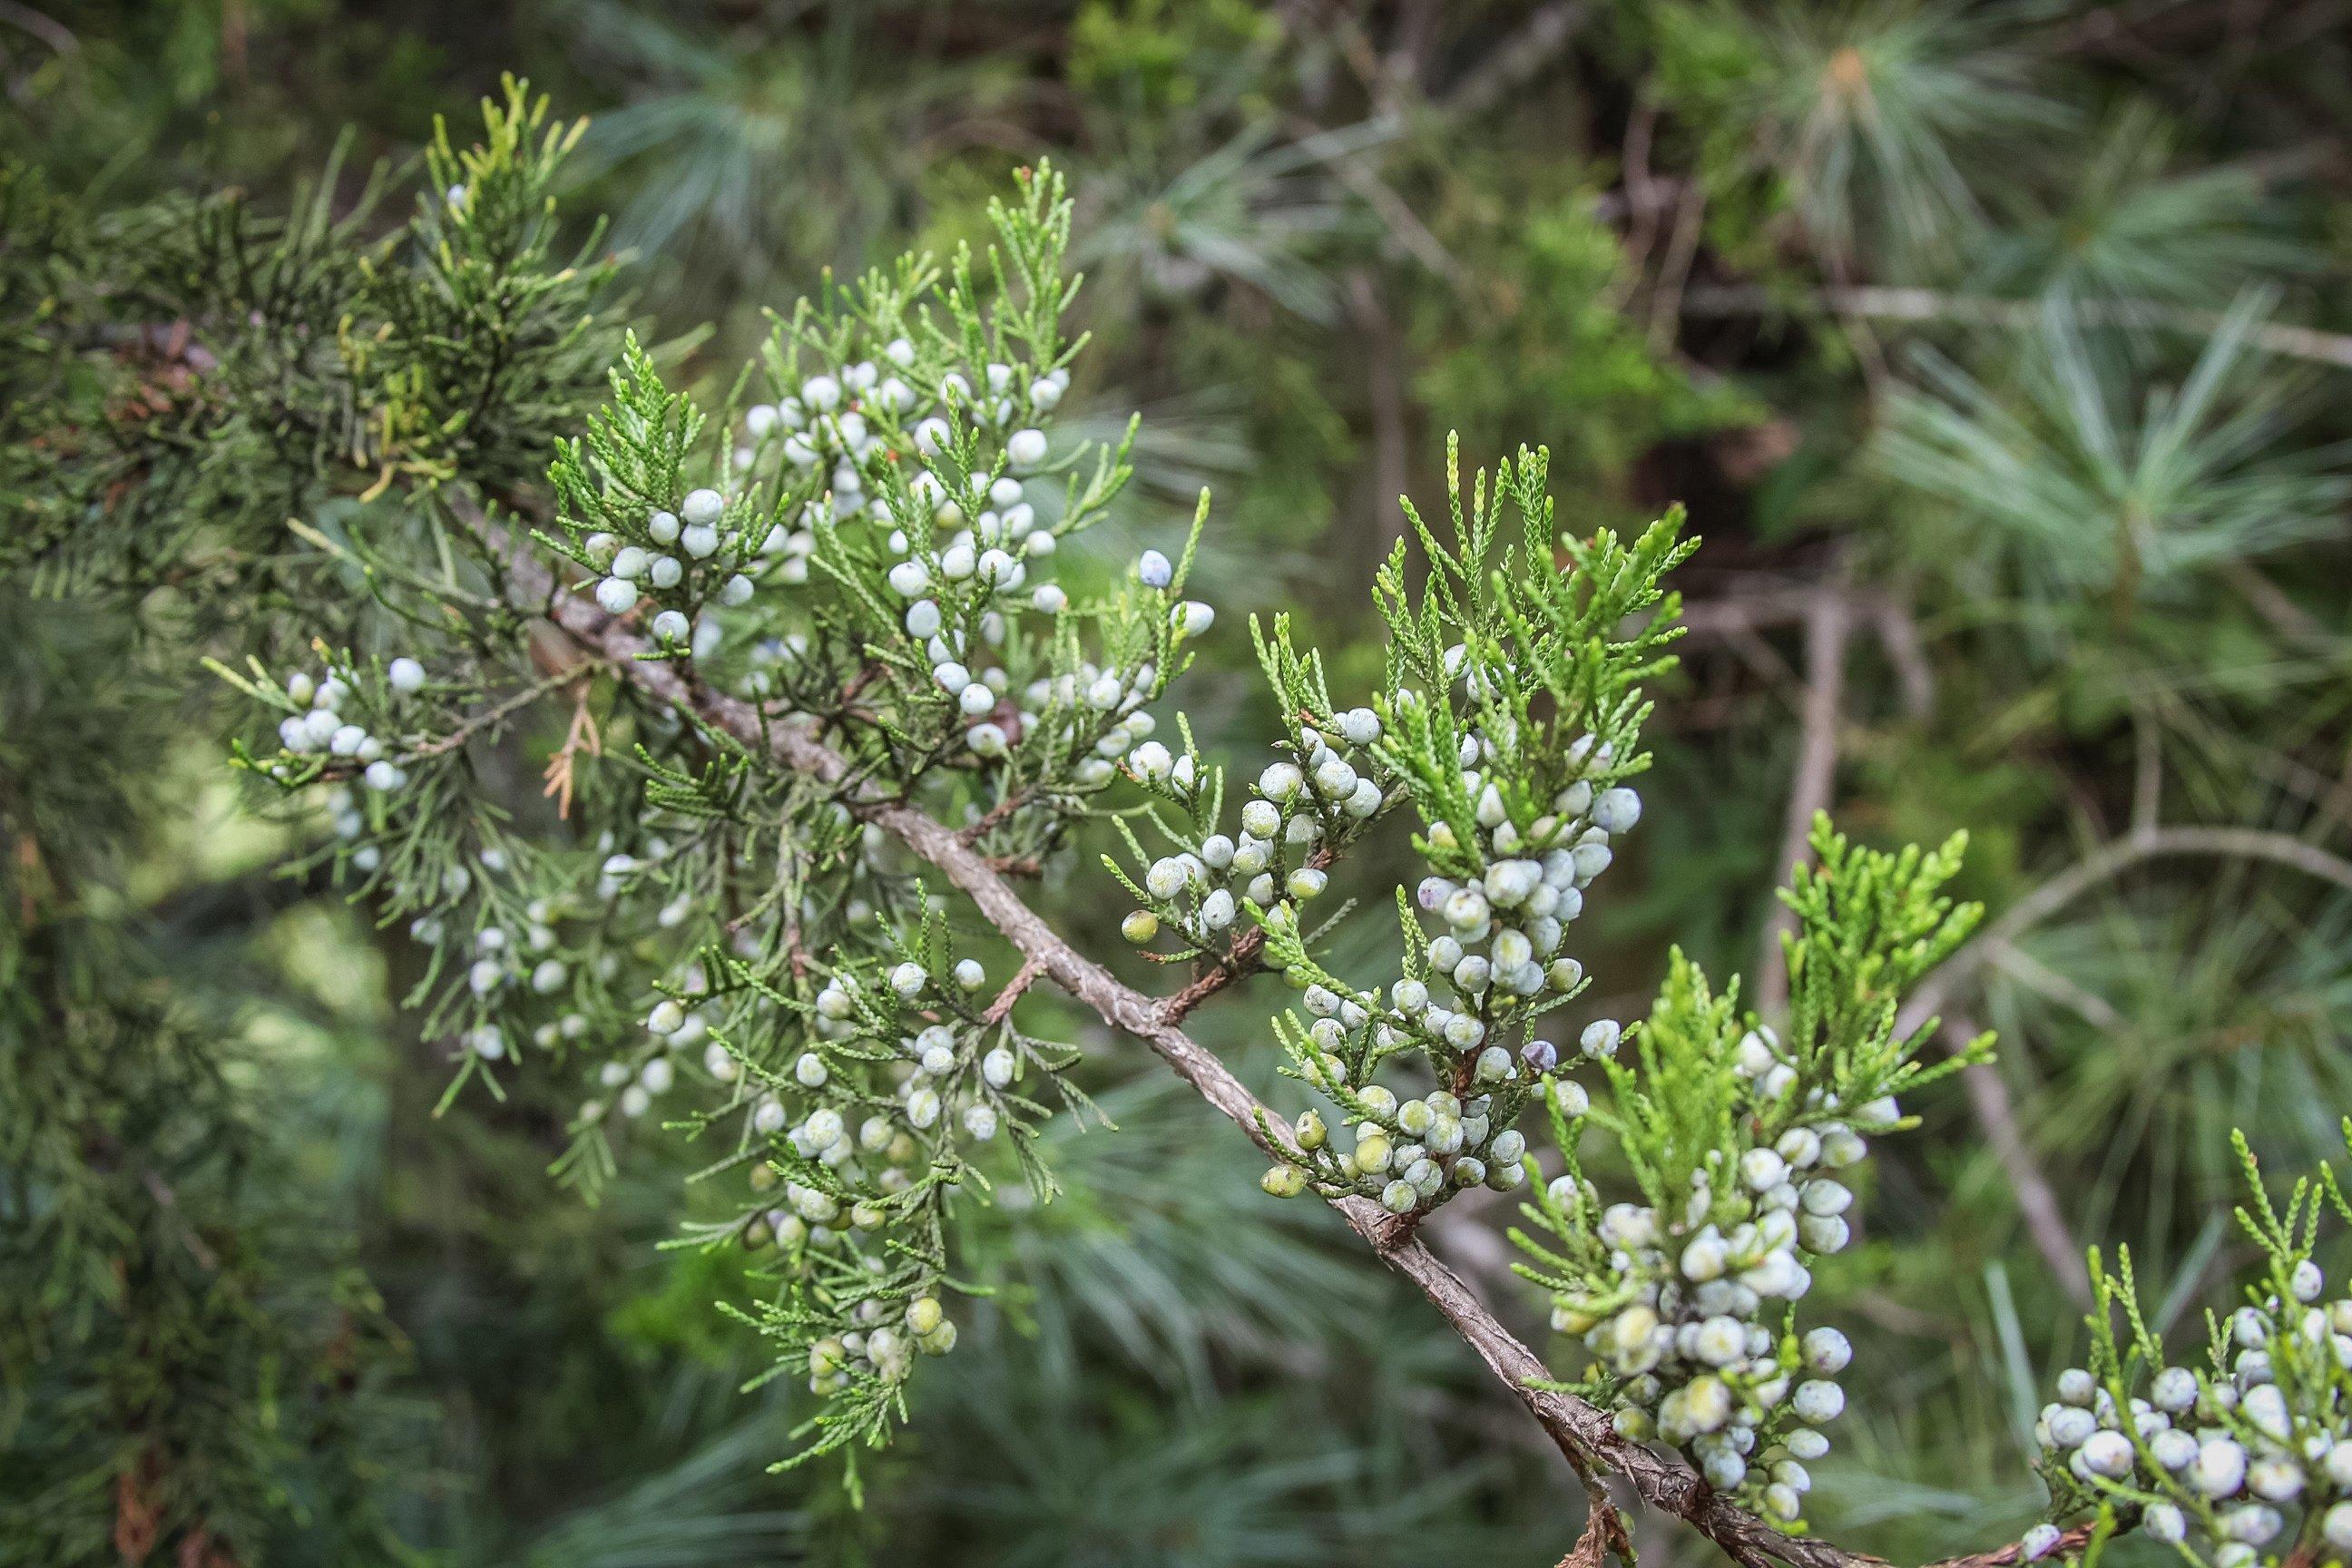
column 1283, row 1181
column 1140, row 926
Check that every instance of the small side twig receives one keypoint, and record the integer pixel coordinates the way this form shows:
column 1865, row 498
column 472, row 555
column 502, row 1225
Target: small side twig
column 1826, row 627
column 1015, row 989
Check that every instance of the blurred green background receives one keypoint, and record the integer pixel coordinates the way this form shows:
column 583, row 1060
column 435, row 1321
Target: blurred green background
column 1992, row 347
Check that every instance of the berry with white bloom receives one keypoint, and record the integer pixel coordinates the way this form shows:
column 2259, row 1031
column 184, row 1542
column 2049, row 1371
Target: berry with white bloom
column 1152, row 570
column 1026, row 448
column 1151, row 762
column 2108, row 1454
column 616, row 595
column 405, row 674
column 703, row 506
column 1817, row 1402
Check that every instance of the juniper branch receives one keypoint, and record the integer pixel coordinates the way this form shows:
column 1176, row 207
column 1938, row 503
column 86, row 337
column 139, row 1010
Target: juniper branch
column 1582, row 1432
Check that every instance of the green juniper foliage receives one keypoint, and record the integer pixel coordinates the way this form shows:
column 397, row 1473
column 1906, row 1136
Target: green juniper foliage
column 863, row 557
column 1733, row 1133
column 590, row 634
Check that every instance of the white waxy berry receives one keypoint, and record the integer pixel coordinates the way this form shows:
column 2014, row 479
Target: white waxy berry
column 1151, row 762
column 1762, row 1169
column 702, row 505
column 2037, row 1542
column 405, row 674
column 1818, row 1402
column 820, row 391
column 2173, row 1390
column 699, row 541
column 616, row 595
column 662, row 527
column 910, row 578
column 2108, row 1454
column 1152, row 570
column 671, row 625
column 1827, row 1352
column 2219, row 1468
column 1617, row 810
column 1049, row 599
column 1026, row 448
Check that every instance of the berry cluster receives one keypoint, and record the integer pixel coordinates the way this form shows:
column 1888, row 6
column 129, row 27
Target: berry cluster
column 905, row 1074
column 315, row 728
column 1467, row 1002
column 673, row 563
column 1300, row 812
column 2234, row 1465
column 1673, row 1301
